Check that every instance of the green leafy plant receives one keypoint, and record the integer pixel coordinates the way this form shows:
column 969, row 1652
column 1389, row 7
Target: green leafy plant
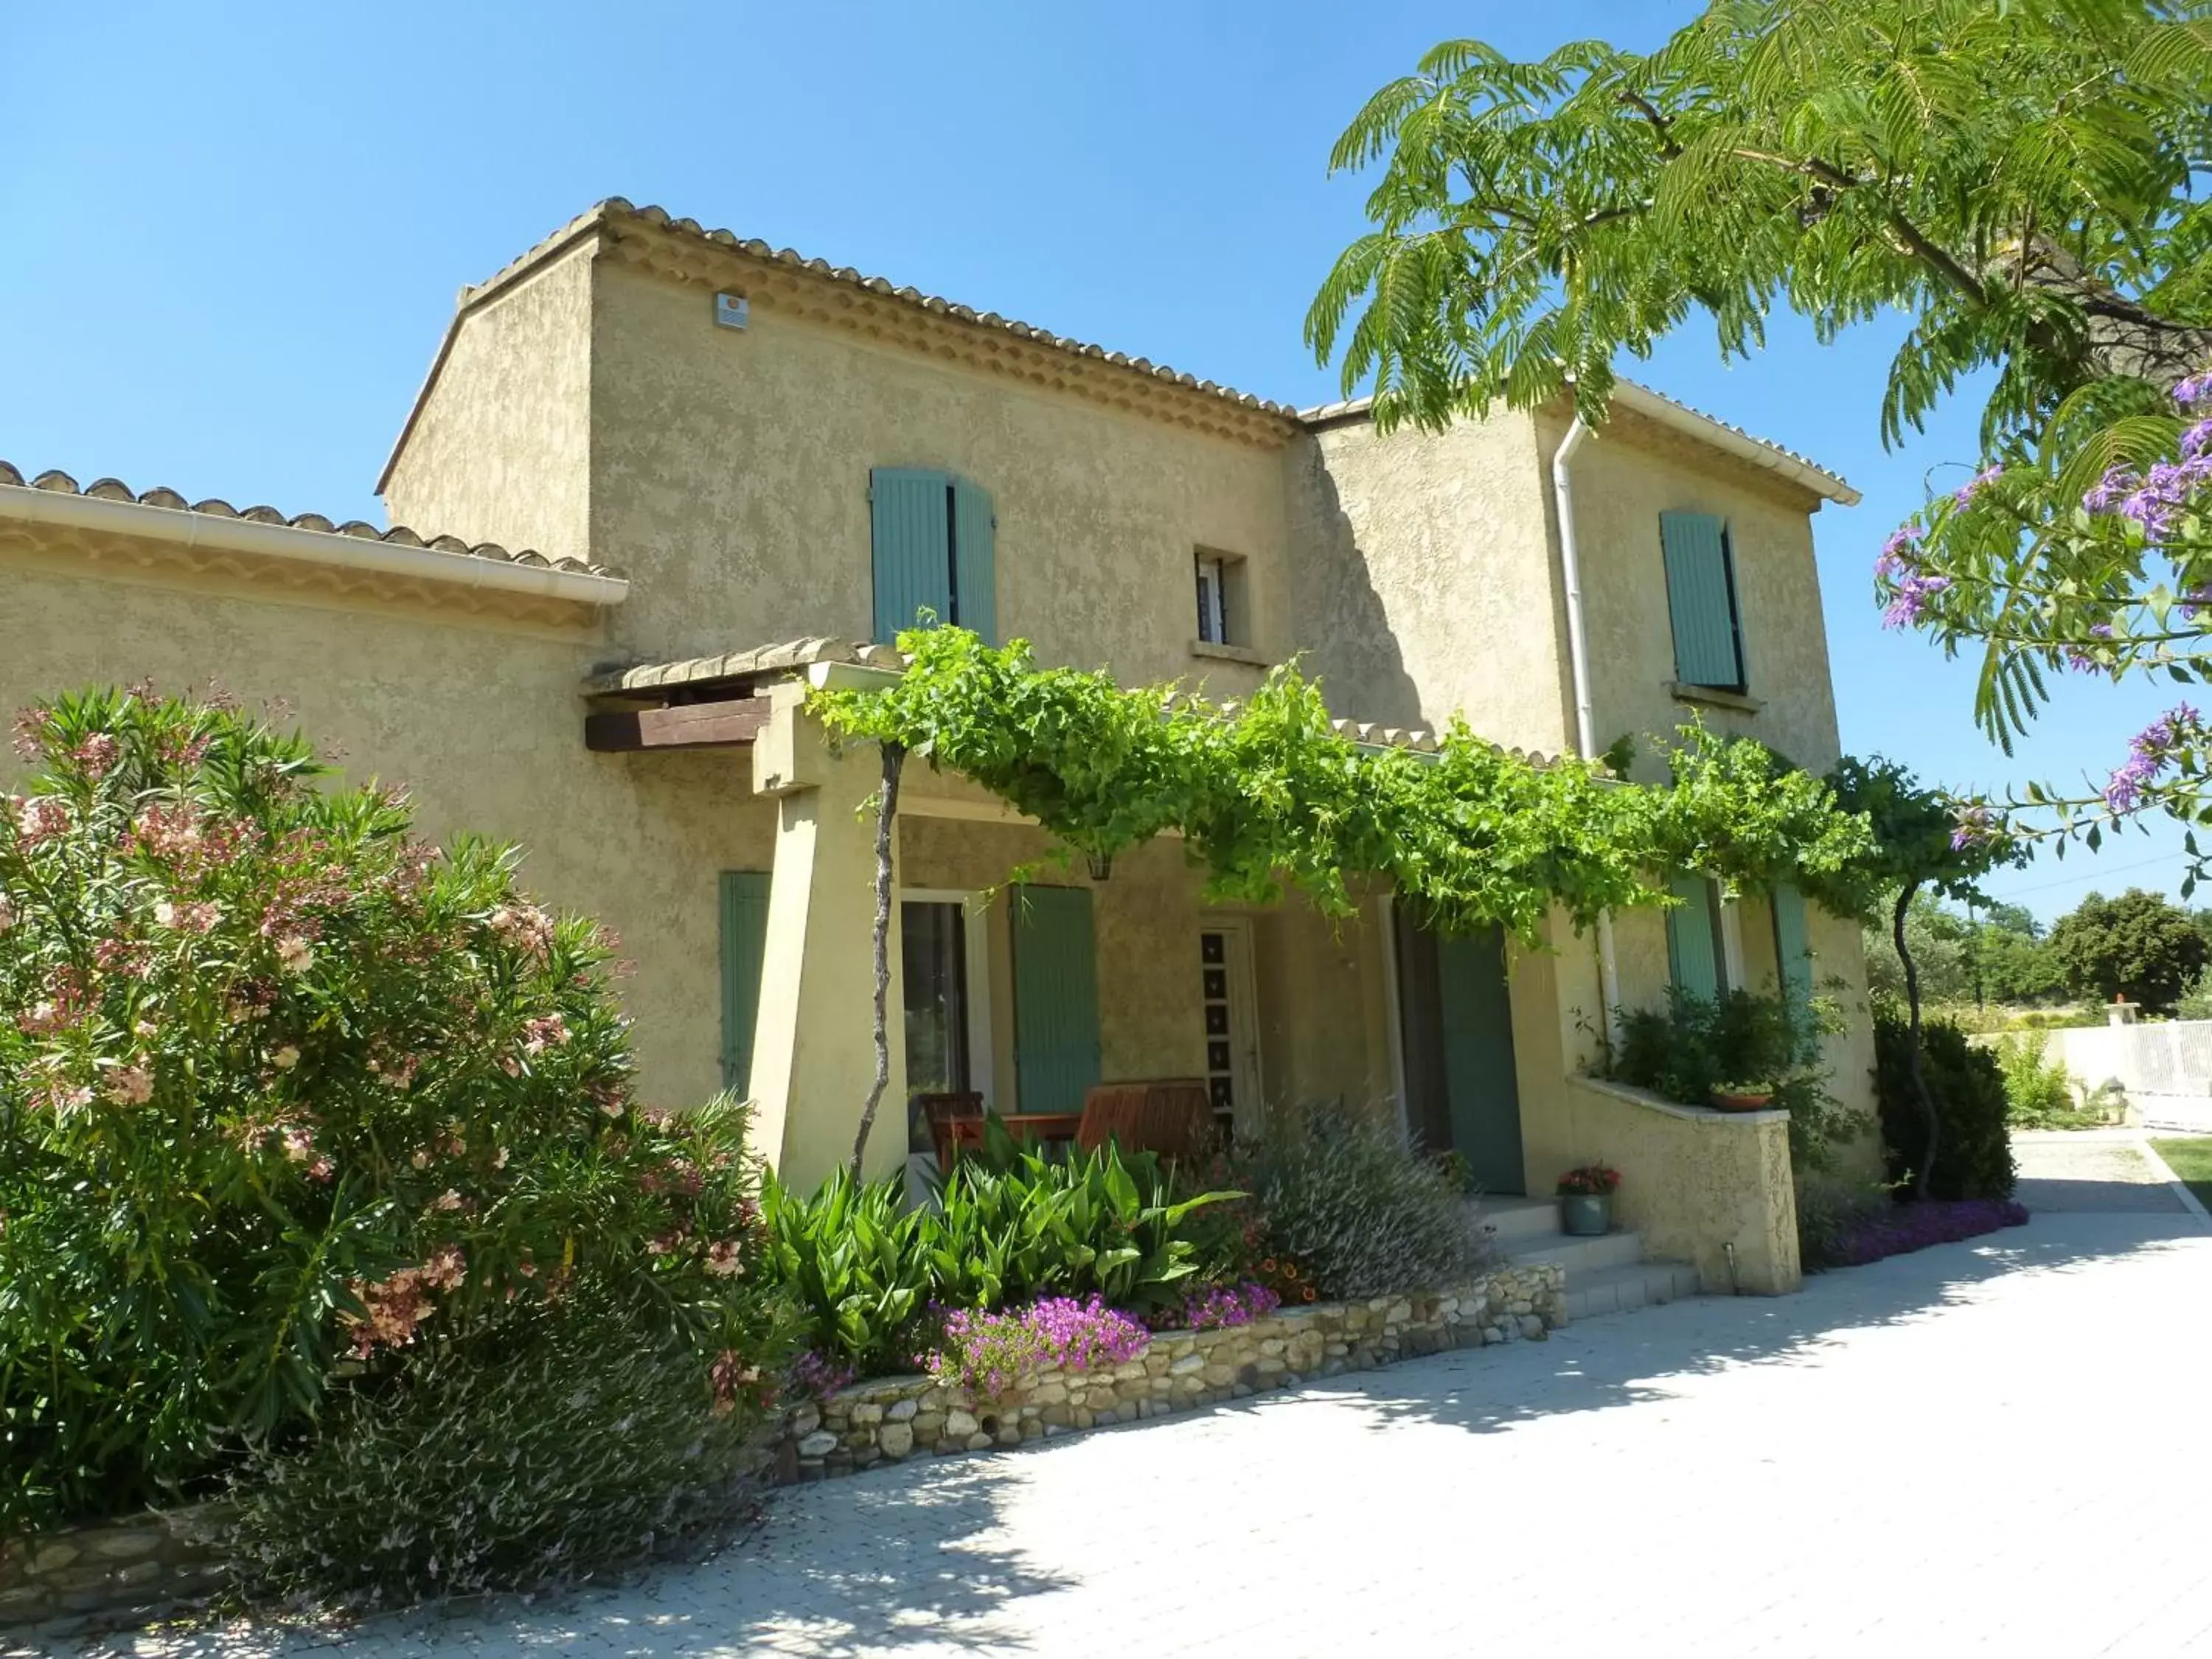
column 1973, row 1156
column 1353, row 1207
column 1742, row 1043
column 1007, row 1227
column 287, row 1095
column 2038, row 1094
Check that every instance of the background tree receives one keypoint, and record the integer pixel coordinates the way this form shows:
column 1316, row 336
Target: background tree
column 2137, row 946
column 2020, row 178
column 2016, row 964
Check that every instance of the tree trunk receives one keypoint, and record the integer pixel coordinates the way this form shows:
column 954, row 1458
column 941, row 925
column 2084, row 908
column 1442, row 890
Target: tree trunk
column 1912, row 1039
column 886, row 812
column 2119, row 336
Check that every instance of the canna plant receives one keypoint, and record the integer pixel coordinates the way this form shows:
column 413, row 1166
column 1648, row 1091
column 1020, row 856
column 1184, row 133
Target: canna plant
column 290, row 1099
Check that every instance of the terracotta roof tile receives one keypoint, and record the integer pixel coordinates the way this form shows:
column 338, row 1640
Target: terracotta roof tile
column 114, row 489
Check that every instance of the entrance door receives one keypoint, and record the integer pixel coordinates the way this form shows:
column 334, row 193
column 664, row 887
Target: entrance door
column 1455, row 1025
column 1232, row 1035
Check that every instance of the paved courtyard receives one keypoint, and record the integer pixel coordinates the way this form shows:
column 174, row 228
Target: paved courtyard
column 1992, row 1446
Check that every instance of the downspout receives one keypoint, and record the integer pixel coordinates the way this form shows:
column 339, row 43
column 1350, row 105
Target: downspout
column 1571, row 572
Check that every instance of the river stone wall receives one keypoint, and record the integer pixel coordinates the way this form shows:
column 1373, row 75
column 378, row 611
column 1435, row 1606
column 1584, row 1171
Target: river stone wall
column 892, row 1418
column 140, row 1566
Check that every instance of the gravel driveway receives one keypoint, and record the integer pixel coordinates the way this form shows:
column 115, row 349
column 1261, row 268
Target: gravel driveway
column 1982, row 1445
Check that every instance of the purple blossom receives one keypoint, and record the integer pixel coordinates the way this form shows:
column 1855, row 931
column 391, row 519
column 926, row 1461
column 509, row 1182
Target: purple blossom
column 816, row 1376
column 2148, row 752
column 2080, row 659
column 1899, row 552
column 1221, row 1306
column 2159, row 496
column 2197, row 439
column 1912, row 596
column 1079, row 1336
column 2194, row 390
column 1916, row 1226
column 2104, row 495
column 1974, row 486
column 1975, row 825
column 2194, row 600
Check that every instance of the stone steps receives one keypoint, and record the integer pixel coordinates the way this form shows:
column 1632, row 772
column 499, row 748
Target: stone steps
column 1605, row 1274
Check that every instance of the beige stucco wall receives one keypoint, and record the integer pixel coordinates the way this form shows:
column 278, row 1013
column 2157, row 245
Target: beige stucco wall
column 499, row 451
column 483, row 725
column 1424, row 579
column 1624, row 479
column 730, row 480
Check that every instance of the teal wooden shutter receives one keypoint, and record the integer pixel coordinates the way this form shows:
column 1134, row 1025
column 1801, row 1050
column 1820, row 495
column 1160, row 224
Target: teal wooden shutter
column 1057, row 1053
column 745, row 941
column 974, row 562
column 1792, row 952
column 1701, row 599
column 911, row 528
column 1692, row 961
column 1480, row 1079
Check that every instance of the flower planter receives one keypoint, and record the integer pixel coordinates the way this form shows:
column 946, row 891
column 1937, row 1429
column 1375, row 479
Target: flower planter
column 1585, row 1215
column 1742, row 1102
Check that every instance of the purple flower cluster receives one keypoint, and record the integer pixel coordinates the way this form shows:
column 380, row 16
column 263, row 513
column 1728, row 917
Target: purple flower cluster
column 994, row 1353
column 986, row 1353
column 1964, row 496
column 2156, row 499
column 2079, row 659
column 2148, row 752
column 818, row 1376
column 1220, row 1306
column 1975, row 825
column 1901, row 563
column 1079, row 1336
column 1916, row 1226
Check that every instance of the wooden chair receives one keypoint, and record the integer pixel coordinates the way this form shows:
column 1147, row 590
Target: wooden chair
column 1171, row 1116
column 955, row 1120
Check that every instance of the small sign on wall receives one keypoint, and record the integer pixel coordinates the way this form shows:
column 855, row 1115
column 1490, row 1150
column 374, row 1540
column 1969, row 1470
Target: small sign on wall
column 732, row 311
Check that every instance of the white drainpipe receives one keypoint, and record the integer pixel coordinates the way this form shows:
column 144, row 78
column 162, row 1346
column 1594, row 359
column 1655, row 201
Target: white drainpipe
column 1571, row 571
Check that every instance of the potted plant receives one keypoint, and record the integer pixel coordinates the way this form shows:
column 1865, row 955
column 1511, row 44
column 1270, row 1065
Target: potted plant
column 1586, row 1200
column 1742, row 1096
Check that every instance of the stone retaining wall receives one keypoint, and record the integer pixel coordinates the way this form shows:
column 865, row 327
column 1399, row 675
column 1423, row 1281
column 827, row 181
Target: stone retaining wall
column 892, row 1418
column 142, row 1565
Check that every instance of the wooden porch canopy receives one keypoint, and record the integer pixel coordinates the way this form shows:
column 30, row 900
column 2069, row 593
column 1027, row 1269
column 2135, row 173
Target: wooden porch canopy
column 704, row 702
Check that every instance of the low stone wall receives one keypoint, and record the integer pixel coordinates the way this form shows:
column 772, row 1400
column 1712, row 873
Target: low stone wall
column 893, row 1419
column 142, row 1565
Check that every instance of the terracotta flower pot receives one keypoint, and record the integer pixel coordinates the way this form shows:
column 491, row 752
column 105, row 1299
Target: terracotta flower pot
column 1742, row 1102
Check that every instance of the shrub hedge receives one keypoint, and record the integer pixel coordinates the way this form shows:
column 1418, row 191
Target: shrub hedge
column 1973, row 1153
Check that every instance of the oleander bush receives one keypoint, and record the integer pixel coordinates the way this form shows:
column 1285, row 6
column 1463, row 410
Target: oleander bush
column 301, row 1118
column 1350, row 1206
column 566, row 1444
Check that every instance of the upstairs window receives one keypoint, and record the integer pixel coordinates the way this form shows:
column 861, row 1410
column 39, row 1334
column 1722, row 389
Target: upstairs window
column 933, row 539
column 1220, row 598
column 1701, row 599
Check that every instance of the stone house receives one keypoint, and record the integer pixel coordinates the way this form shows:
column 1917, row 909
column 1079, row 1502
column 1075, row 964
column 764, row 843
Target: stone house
column 739, row 471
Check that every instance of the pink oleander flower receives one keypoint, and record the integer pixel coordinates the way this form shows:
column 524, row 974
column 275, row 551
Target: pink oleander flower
column 525, row 926
column 448, row 1201
column 722, row 1259
column 130, row 1085
column 42, row 820
column 7, row 913
column 97, row 754
column 189, row 916
column 546, row 1031
column 295, row 953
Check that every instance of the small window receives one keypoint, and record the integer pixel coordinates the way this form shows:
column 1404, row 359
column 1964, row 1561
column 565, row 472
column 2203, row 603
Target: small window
column 1220, row 598
column 1702, row 602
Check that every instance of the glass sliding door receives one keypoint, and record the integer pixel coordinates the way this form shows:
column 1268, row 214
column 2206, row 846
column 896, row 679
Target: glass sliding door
column 934, row 960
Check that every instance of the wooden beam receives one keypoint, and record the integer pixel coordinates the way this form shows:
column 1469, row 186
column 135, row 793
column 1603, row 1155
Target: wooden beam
column 727, row 724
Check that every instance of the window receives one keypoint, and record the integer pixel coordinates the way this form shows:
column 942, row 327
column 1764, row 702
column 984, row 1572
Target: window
column 933, row 539
column 1701, row 599
column 1696, row 954
column 1220, row 598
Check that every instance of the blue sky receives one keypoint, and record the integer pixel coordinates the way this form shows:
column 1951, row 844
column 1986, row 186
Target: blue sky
column 233, row 232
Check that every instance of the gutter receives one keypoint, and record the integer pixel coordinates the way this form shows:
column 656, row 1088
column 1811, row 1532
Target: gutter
column 25, row 504
column 1570, row 575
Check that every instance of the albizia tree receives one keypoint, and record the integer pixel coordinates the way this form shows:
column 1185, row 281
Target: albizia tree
column 2021, row 179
